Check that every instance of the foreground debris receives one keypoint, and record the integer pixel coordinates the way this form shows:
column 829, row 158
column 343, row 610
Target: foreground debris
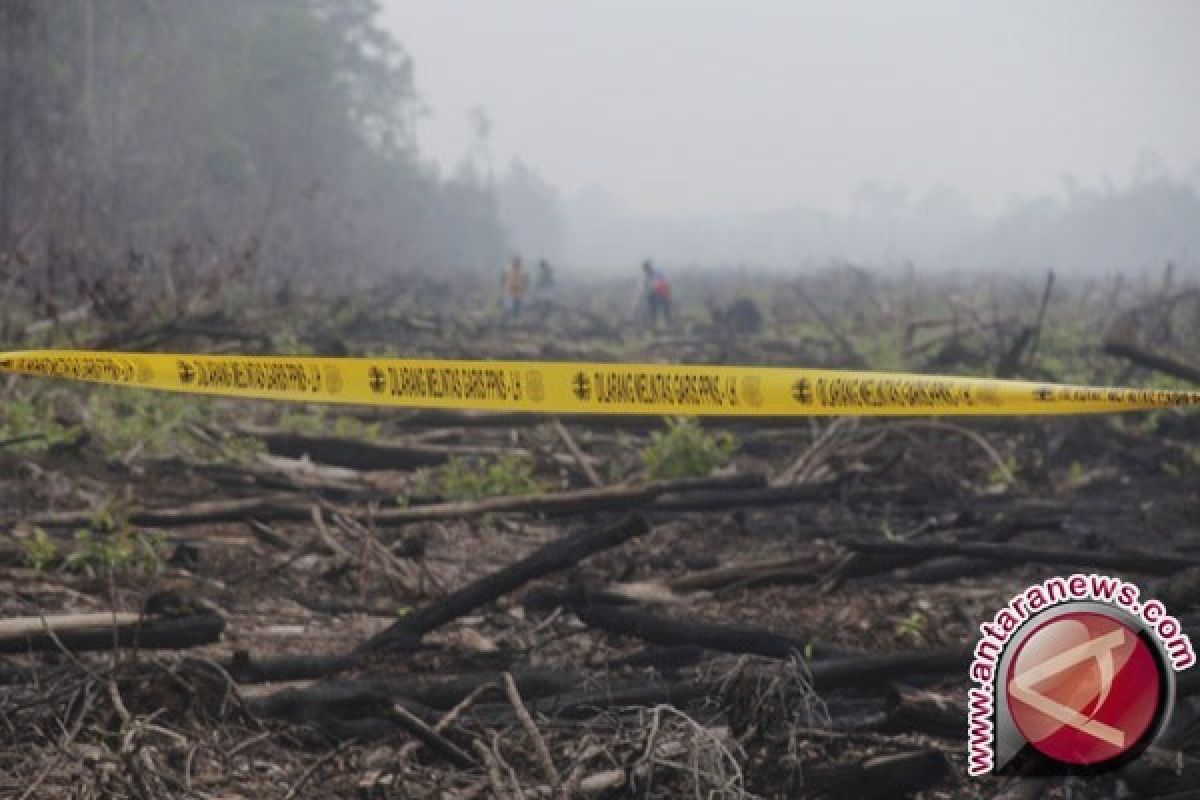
column 427, row 604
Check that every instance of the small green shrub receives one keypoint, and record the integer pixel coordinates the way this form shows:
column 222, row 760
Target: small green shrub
column 41, row 552
column 686, row 451
column 242, row 449
column 112, row 546
column 473, row 479
column 152, row 422
column 27, row 426
column 915, row 628
column 318, row 422
column 117, row 553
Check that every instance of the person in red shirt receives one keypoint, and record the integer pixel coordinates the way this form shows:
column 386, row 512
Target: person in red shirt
column 657, row 293
column 515, row 285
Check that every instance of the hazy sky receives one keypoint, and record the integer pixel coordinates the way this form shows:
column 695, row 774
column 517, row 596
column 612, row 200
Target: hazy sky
column 687, row 105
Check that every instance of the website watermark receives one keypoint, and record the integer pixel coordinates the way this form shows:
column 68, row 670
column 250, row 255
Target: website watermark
column 1074, row 671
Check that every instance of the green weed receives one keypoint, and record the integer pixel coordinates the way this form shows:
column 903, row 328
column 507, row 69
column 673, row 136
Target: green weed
column 316, row 422
column 27, row 427
column 913, row 627
column 41, row 552
column 685, row 450
column 474, row 479
column 1005, row 475
column 152, row 422
column 112, row 546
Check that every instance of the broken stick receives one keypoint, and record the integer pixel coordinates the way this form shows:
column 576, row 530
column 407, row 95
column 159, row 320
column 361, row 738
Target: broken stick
column 552, row 557
column 99, row 631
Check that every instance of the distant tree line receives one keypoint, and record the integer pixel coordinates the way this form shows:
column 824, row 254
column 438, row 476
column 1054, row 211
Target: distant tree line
column 1131, row 227
column 282, row 125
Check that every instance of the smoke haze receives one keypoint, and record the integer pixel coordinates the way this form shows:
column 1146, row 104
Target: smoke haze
column 1004, row 135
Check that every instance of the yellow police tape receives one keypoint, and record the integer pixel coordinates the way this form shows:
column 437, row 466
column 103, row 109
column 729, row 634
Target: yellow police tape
column 584, row 388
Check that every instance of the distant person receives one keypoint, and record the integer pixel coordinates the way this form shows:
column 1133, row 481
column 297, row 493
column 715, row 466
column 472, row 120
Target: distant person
column 514, row 287
column 657, row 293
column 543, row 289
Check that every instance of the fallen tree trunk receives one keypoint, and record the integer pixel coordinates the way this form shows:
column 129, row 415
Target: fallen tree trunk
column 660, row 658
column 720, row 500
column 834, row 666
column 205, row 513
column 614, row 498
column 1159, row 362
column 870, row 671
column 19, row 627
column 909, row 566
column 781, row 571
column 276, row 473
column 552, row 557
column 244, row 669
column 341, row 711
column 688, row 494
column 99, row 631
column 721, row 637
column 942, row 570
column 359, row 454
column 1129, row 561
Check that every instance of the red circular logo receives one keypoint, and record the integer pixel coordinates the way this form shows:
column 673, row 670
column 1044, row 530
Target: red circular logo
column 1084, row 688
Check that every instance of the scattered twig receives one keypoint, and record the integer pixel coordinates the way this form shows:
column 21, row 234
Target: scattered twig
column 434, row 740
column 543, row 754
column 582, row 460
column 495, row 778
column 312, row 769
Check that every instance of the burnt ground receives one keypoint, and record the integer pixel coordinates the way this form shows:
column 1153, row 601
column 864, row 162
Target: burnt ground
column 767, row 632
